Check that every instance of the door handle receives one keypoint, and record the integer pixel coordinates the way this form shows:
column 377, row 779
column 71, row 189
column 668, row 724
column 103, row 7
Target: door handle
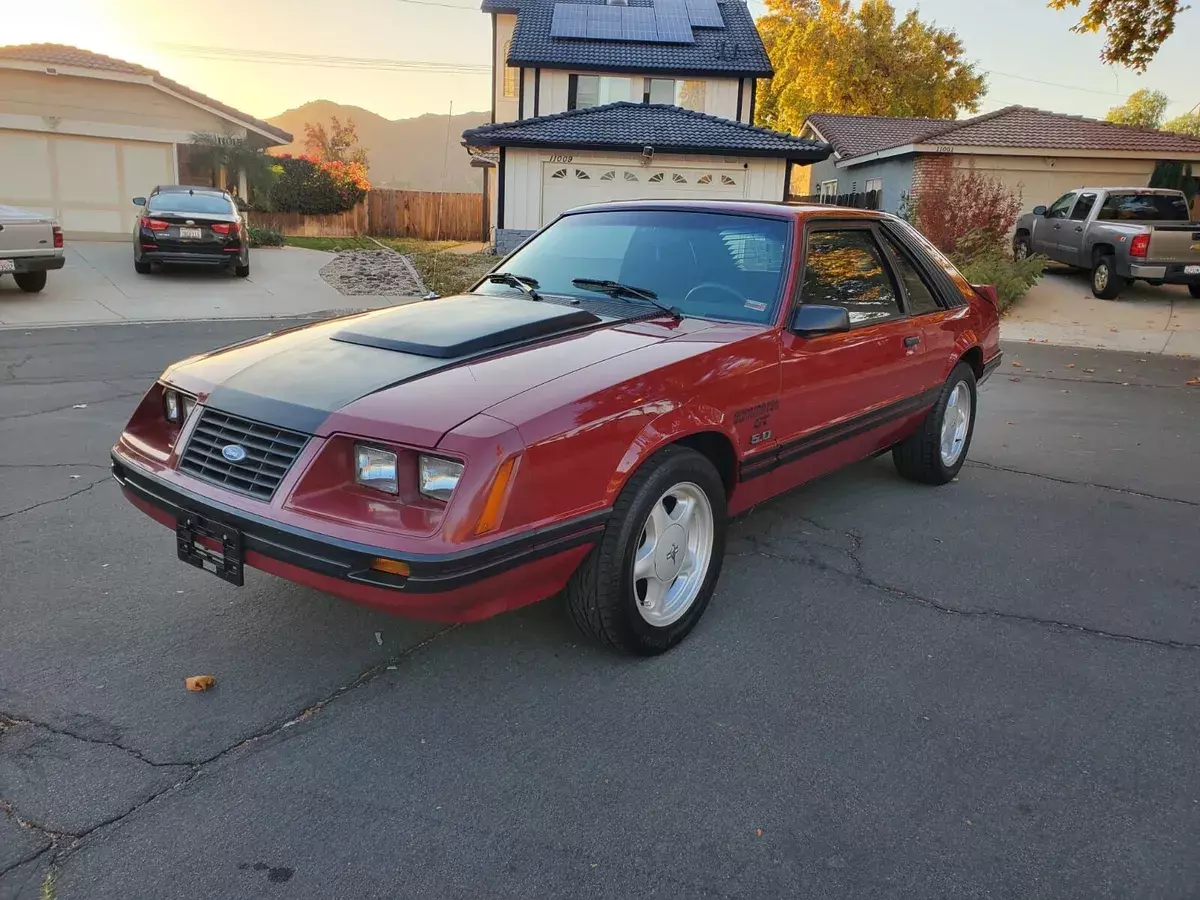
column 1079, row 228
column 912, row 340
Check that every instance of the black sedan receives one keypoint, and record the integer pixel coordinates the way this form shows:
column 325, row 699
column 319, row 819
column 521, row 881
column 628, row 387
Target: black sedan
column 192, row 226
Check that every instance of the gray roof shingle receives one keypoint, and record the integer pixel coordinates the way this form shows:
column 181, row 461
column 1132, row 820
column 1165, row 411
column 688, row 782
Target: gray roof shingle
column 64, row 55
column 632, row 126
column 1012, row 126
column 735, row 50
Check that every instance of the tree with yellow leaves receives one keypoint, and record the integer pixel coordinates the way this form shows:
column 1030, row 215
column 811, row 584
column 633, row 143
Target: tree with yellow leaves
column 836, row 57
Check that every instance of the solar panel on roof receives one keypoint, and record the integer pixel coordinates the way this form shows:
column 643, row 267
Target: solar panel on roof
column 672, row 22
column 704, row 14
column 638, row 24
column 604, row 23
column 569, row 21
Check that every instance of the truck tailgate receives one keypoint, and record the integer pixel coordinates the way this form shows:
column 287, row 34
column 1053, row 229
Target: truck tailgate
column 1175, row 243
column 25, row 234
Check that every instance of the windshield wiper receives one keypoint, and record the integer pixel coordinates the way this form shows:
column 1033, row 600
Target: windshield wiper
column 616, row 289
column 521, row 282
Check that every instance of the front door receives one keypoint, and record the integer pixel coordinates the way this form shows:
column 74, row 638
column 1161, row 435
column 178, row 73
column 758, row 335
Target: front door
column 1047, row 229
column 845, row 395
column 1070, row 243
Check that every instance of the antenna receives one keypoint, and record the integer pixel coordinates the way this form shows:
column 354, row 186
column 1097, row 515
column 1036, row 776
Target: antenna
column 441, row 198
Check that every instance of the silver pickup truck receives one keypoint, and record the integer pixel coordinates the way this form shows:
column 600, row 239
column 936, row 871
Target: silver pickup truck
column 31, row 244
column 1119, row 234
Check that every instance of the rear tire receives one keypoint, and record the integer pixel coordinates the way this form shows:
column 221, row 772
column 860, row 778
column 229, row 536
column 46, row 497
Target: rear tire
column 142, row 268
column 937, row 450
column 1106, row 283
column 1194, row 290
column 1021, row 248
column 647, row 583
column 242, row 271
column 30, row 282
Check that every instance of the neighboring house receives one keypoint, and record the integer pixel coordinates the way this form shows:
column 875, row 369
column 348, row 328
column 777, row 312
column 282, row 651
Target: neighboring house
column 1041, row 154
column 626, row 99
column 81, row 134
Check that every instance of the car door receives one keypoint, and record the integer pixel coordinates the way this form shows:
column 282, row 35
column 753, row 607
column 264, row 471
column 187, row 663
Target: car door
column 1073, row 228
column 843, row 394
column 1047, row 229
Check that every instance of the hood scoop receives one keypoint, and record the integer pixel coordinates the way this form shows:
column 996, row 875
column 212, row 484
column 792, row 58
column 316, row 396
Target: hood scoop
column 456, row 327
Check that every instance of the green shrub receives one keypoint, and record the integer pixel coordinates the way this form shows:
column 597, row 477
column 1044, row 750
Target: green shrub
column 265, row 236
column 982, row 260
column 304, row 186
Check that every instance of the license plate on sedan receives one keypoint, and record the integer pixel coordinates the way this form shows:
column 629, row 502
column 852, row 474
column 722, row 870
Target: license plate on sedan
column 1191, row 270
column 191, row 233
column 7, row 265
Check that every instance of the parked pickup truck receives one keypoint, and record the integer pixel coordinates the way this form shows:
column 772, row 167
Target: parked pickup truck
column 1119, row 234
column 31, row 244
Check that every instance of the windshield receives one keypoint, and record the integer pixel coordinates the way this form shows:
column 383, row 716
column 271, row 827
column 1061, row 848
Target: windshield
column 1144, row 208
column 178, row 201
column 705, row 264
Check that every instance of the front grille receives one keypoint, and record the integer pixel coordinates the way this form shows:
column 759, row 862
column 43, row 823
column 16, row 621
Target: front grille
column 270, row 452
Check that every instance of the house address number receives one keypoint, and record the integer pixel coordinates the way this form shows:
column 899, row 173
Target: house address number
column 561, row 157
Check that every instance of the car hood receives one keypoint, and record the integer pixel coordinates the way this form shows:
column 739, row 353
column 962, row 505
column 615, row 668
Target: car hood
column 412, row 373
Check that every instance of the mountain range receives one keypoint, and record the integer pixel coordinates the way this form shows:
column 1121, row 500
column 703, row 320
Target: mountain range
column 406, row 154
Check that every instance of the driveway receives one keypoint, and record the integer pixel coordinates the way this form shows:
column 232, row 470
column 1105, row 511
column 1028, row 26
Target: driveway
column 984, row 690
column 1060, row 309
column 98, row 285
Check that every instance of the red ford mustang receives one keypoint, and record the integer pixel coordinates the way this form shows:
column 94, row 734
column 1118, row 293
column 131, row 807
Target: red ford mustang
column 584, row 421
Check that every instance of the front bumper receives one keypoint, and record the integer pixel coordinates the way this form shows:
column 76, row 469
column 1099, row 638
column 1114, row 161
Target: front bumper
column 36, row 264
column 463, row 586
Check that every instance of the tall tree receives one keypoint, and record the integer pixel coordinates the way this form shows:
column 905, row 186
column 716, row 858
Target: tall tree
column 1134, row 30
column 338, row 144
column 832, row 57
column 1144, row 108
column 1188, row 123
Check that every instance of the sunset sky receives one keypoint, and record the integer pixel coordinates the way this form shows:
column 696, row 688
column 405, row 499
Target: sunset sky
column 225, row 51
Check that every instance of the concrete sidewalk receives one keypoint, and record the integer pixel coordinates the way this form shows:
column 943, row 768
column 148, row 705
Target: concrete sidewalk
column 1060, row 309
column 98, row 285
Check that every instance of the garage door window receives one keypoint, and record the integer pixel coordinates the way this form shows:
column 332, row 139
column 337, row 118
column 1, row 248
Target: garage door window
column 709, row 265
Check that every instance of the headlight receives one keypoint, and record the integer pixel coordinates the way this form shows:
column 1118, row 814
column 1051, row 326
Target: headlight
column 177, row 406
column 376, row 468
column 439, row 477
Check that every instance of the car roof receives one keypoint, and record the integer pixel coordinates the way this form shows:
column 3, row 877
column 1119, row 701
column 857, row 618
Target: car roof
column 773, row 208
column 188, row 188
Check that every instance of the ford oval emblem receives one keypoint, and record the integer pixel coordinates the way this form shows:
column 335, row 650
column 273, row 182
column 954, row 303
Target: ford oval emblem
column 234, row 452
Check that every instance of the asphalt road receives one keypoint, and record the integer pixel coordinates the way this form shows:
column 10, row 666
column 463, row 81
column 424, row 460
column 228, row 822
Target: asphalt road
column 982, row 690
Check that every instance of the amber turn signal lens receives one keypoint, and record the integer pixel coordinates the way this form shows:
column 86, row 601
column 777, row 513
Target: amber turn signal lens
column 390, row 566
column 492, row 509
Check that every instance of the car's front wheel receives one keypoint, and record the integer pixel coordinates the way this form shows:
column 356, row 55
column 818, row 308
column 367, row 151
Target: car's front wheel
column 30, row 282
column 647, row 583
column 938, row 449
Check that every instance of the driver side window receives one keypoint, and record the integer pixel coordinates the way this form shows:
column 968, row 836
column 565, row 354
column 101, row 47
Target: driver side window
column 846, row 268
column 1061, row 206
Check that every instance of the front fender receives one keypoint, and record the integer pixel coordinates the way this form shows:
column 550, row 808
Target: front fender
column 669, row 428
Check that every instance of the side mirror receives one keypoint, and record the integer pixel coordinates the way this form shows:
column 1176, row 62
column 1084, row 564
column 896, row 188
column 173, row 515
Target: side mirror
column 139, row 201
column 810, row 320
column 1039, row 210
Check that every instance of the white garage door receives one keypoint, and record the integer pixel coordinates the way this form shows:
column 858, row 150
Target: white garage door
column 575, row 184
column 87, row 183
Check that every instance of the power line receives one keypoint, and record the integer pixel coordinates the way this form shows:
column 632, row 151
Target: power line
column 324, row 60
column 435, row 3
column 1069, row 87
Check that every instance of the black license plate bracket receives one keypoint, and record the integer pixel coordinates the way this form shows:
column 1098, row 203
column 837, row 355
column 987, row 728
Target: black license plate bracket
column 226, row 563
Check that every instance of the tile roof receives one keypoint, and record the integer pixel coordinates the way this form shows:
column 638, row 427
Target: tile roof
column 632, row 126
column 1013, row 126
column 856, row 135
column 64, row 55
column 737, row 49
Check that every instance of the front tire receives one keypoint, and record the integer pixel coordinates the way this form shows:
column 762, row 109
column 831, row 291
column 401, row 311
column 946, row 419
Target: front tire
column 649, row 580
column 1106, row 283
column 30, row 282
column 1194, row 290
column 937, row 450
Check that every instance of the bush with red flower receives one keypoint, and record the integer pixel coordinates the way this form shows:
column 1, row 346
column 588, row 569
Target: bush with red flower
column 305, row 184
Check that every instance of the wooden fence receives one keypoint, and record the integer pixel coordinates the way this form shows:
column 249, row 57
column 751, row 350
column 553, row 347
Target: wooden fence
column 867, row 200
column 387, row 213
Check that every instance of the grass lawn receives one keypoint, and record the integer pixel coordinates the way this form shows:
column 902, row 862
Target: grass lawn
column 443, row 273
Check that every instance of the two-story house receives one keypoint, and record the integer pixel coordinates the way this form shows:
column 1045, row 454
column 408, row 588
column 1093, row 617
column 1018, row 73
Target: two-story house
column 598, row 100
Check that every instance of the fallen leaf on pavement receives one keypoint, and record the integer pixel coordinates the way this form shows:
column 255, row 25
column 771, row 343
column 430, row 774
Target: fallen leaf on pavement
column 1120, row 370
column 1112, row 329
column 379, row 638
column 199, row 682
column 1018, row 363
column 1090, row 371
column 1013, row 378
column 1193, row 381
column 758, row 832
column 1141, row 360
column 76, row 476
column 79, row 406
column 1065, row 391
column 1070, row 365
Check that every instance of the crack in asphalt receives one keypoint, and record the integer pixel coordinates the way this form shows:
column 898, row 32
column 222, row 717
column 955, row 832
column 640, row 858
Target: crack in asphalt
column 10, row 369
column 39, row 505
column 195, row 768
column 45, row 412
column 53, row 466
column 1023, row 374
column 1060, row 480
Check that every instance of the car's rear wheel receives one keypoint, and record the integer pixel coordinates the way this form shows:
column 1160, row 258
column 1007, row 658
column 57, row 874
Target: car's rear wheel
column 938, row 449
column 1194, row 290
column 647, row 583
column 1106, row 283
column 142, row 268
column 30, row 282
column 242, row 271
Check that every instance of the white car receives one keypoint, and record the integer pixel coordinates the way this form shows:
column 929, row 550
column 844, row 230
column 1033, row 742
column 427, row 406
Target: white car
column 31, row 244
